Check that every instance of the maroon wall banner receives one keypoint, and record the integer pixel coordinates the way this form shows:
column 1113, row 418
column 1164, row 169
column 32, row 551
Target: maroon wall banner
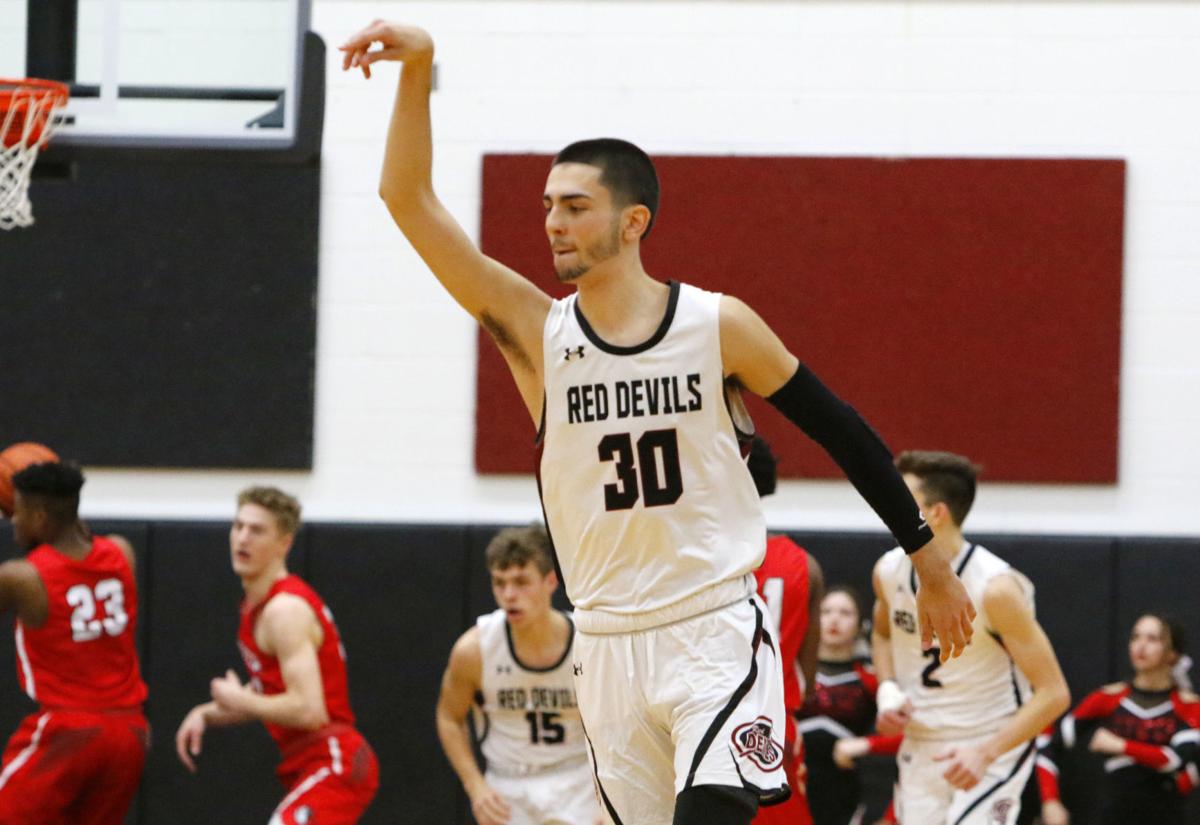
column 971, row 305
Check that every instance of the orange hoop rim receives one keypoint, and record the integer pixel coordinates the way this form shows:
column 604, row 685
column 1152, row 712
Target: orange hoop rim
column 11, row 88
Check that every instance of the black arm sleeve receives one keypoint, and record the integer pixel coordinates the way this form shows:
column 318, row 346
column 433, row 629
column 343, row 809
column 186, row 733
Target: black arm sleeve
column 858, row 450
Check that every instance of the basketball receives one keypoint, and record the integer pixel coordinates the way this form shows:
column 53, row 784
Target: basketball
column 13, row 460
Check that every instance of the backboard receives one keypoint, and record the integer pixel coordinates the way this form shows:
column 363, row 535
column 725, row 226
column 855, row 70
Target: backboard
column 151, row 73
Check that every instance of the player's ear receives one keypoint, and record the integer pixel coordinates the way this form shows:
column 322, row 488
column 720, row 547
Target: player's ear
column 634, row 222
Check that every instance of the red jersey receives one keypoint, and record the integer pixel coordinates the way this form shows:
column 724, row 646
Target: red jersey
column 83, row 656
column 783, row 585
column 267, row 679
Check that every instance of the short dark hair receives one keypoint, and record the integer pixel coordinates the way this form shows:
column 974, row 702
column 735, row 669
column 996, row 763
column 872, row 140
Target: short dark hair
column 284, row 507
column 945, row 477
column 763, row 466
column 518, row 546
column 625, row 170
column 54, row 487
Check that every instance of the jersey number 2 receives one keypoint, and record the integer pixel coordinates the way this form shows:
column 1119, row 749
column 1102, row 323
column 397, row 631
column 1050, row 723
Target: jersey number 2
column 656, row 489
column 934, row 655
column 84, row 625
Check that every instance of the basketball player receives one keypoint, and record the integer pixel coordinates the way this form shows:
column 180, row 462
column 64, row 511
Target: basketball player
column 79, row 757
column 516, row 663
column 654, row 517
column 297, row 666
column 969, row 723
column 791, row 584
column 1148, row 728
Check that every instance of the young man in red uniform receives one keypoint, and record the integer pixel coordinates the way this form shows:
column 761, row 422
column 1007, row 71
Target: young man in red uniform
column 297, row 667
column 79, row 757
column 791, row 583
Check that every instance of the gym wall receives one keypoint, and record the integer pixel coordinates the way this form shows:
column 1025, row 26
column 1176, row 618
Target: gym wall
column 401, row 595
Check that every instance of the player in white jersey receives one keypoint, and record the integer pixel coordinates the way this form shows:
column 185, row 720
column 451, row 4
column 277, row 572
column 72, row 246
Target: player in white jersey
column 970, row 723
column 652, row 510
column 514, row 667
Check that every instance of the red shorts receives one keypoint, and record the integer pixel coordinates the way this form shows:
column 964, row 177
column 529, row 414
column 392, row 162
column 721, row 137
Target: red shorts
column 81, row 767
column 331, row 778
column 795, row 810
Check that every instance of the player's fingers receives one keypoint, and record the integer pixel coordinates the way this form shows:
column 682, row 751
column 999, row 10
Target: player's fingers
column 232, row 676
column 926, row 632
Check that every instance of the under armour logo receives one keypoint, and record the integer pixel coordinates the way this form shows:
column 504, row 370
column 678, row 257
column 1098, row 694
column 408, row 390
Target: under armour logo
column 578, row 668
column 573, row 351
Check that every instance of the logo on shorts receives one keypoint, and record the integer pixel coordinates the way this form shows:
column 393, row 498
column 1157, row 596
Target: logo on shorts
column 1000, row 811
column 754, row 740
column 905, row 621
column 303, row 815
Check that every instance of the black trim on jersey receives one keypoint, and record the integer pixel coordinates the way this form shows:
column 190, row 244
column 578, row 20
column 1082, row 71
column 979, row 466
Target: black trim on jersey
column 541, row 430
column 659, row 334
column 738, row 695
column 537, row 475
column 912, row 571
column 765, row 798
column 512, row 650
column 1016, row 768
column 612, row 812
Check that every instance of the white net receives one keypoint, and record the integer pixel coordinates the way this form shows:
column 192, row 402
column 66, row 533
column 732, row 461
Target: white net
column 26, row 123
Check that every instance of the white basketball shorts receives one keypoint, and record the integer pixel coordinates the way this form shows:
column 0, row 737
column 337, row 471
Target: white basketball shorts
column 563, row 796
column 924, row 796
column 695, row 702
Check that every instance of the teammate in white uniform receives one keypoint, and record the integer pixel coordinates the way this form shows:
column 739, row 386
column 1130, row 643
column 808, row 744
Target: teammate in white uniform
column 514, row 667
column 652, row 511
column 969, row 724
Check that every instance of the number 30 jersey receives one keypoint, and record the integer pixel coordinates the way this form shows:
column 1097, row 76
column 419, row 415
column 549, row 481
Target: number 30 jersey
column 531, row 722
column 974, row 694
column 83, row 656
column 645, row 490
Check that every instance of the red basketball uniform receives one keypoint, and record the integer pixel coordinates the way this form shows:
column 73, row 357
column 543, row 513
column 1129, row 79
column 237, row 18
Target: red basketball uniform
column 331, row 774
column 783, row 585
column 79, row 758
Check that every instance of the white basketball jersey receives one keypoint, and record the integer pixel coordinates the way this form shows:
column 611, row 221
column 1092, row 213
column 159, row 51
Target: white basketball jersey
column 645, row 490
column 973, row 694
column 531, row 722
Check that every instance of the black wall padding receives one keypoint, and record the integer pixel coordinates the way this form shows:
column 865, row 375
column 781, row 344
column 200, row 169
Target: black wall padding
column 173, row 296
column 396, row 593
column 402, row 594
column 174, row 291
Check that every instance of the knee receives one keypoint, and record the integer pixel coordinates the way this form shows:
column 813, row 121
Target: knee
column 715, row 805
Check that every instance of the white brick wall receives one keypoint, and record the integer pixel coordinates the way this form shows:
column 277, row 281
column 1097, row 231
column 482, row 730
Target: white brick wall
column 943, row 77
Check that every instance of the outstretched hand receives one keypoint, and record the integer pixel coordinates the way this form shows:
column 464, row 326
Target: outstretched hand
column 944, row 609
column 397, row 42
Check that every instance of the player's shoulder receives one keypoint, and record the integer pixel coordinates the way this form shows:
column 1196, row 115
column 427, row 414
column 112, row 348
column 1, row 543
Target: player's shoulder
column 286, row 607
column 1113, row 689
column 124, row 545
column 891, row 562
column 16, row 573
column 467, row 653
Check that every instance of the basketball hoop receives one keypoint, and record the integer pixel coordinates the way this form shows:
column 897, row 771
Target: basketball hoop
column 26, row 123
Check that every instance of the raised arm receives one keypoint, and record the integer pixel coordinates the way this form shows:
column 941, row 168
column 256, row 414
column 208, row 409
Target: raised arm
column 511, row 308
column 755, row 357
column 461, row 681
column 1011, row 617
